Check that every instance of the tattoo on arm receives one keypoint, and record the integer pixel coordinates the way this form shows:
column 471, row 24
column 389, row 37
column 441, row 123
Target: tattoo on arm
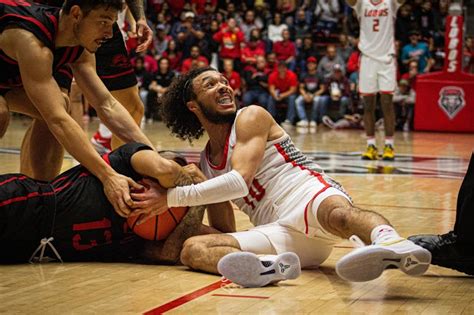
column 136, row 7
column 168, row 252
column 184, row 179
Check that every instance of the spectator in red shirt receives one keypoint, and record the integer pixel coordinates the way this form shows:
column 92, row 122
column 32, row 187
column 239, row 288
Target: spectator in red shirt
column 282, row 85
column 233, row 77
column 173, row 55
column 150, row 63
column 230, row 39
column 251, row 52
column 194, row 60
column 285, row 50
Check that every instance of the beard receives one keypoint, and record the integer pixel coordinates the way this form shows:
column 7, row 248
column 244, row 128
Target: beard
column 215, row 117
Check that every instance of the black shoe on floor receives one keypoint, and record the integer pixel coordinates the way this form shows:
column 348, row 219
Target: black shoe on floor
column 447, row 251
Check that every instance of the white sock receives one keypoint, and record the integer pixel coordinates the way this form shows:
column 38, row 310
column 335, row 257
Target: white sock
column 383, row 233
column 371, row 141
column 104, row 131
column 389, row 141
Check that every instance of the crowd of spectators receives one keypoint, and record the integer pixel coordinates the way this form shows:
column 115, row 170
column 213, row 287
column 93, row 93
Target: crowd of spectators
column 297, row 58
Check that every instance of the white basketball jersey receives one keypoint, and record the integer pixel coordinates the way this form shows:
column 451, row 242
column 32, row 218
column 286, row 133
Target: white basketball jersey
column 377, row 29
column 285, row 182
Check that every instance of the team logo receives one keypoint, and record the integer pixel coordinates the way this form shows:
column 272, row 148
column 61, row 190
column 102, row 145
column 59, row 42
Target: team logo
column 451, row 100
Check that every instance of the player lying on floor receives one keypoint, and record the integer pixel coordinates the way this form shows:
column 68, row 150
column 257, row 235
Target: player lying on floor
column 71, row 219
column 293, row 204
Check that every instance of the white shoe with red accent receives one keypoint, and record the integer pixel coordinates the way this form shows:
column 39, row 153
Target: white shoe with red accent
column 368, row 262
column 249, row 270
column 102, row 145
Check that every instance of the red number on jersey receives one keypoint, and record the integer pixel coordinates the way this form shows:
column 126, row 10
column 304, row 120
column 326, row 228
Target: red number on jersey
column 375, row 27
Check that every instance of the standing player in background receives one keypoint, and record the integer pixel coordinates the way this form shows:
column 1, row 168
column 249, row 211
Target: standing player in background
column 378, row 68
column 115, row 70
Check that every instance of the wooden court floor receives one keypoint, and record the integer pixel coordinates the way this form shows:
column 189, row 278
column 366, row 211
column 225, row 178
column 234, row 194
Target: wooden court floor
column 417, row 193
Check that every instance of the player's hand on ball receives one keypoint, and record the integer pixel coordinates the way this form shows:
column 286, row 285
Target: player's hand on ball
column 150, row 201
column 117, row 190
column 195, row 173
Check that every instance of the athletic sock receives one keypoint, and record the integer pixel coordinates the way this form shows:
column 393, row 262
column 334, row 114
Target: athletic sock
column 389, row 141
column 384, row 233
column 104, row 131
column 371, row 141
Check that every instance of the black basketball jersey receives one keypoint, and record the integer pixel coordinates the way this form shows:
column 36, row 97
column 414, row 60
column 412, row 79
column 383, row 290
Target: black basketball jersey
column 86, row 226
column 42, row 22
column 73, row 209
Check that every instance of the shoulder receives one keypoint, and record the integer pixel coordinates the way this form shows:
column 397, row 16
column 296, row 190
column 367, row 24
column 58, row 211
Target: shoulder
column 253, row 115
column 19, row 42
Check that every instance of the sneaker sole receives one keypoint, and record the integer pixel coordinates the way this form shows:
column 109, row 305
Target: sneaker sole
column 246, row 269
column 368, row 264
column 368, row 158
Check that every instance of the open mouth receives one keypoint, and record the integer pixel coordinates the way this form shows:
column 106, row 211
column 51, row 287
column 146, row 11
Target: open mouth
column 225, row 100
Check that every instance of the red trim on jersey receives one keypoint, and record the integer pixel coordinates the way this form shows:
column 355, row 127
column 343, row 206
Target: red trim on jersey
column 59, row 179
column 22, row 198
column 8, row 59
column 386, row 92
column 34, row 21
column 376, row 4
column 311, row 172
column 64, row 57
column 67, row 73
column 307, row 207
column 12, row 179
column 112, row 76
column 224, row 158
column 74, row 54
column 53, row 20
column 105, row 157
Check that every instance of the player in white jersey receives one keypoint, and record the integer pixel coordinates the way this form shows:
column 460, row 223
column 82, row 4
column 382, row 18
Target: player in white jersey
column 298, row 211
column 378, row 68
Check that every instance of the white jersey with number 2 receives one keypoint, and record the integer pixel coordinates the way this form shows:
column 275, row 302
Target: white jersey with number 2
column 377, row 18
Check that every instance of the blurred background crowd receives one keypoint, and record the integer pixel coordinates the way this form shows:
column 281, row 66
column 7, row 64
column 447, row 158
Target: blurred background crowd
column 297, row 58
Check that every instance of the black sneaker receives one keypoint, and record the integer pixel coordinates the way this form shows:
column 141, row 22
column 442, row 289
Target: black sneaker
column 447, row 252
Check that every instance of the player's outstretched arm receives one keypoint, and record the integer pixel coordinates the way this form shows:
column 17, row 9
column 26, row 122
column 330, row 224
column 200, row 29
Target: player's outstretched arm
column 36, row 63
column 109, row 110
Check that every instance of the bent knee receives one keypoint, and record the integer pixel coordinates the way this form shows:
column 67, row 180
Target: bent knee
column 192, row 249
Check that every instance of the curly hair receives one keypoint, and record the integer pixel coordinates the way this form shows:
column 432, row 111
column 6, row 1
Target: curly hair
column 176, row 115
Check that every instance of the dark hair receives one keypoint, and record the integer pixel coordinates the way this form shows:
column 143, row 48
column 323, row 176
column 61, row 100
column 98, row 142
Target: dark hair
column 174, row 111
column 88, row 5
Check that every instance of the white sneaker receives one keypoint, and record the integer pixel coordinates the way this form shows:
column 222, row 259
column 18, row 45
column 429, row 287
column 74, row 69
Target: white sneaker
column 302, row 123
column 328, row 122
column 368, row 262
column 287, row 124
column 249, row 270
column 312, row 127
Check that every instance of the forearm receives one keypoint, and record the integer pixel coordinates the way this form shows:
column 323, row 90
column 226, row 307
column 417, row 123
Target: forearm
column 219, row 189
column 119, row 121
column 136, row 8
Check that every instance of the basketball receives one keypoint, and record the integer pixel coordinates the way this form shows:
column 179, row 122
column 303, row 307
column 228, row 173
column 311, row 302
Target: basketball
column 158, row 227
